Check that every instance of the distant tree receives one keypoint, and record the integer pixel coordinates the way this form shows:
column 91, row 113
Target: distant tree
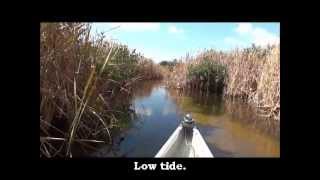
column 169, row 64
column 164, row 63
column 175, row 61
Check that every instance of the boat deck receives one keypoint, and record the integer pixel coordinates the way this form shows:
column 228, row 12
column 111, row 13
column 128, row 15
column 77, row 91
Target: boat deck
column 178, row 146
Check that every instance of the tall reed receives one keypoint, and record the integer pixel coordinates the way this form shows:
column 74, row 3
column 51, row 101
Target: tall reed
column 251, row 73
column 80, row 75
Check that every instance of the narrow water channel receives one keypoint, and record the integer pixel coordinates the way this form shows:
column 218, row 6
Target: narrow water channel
column 230, row 128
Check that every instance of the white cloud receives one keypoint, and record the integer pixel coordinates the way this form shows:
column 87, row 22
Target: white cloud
column 173, row 29
column 156, row 54
column 137, row 27
column 256, row 35
column 263, row 37
column 244, row 28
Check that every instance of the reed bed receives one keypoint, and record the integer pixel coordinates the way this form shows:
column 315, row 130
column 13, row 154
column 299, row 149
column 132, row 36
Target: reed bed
column 252, row 74
column 80, row 75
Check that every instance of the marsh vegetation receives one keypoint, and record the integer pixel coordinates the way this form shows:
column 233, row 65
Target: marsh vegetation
column 89, row 88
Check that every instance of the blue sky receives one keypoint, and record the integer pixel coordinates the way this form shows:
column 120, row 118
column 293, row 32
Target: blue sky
column 165, row 41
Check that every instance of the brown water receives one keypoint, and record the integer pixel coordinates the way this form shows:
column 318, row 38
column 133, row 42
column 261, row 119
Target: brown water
column 230, row 128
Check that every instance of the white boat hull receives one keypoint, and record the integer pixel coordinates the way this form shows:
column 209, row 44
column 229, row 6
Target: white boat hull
column 177, row 146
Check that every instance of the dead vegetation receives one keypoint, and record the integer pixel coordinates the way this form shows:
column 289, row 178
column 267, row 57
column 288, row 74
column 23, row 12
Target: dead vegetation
column 252, row 74
column 80, row 75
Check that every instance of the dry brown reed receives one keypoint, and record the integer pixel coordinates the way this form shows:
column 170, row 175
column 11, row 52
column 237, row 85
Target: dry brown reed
column 252, row 74
column 79, row 76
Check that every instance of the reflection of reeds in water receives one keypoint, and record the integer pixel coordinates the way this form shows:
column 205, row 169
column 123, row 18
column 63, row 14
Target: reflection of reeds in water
column 209, row 106
column 144, row 89
column 203, row 107
column 241, row 130
column 241, row 111
column 208, row 102
column 245, row 141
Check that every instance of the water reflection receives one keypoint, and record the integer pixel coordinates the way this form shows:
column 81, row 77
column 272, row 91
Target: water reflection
column 143, row 111
column 230, row 128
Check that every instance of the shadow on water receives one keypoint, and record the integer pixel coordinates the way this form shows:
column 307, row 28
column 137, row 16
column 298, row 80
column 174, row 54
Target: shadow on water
column 230, row 128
